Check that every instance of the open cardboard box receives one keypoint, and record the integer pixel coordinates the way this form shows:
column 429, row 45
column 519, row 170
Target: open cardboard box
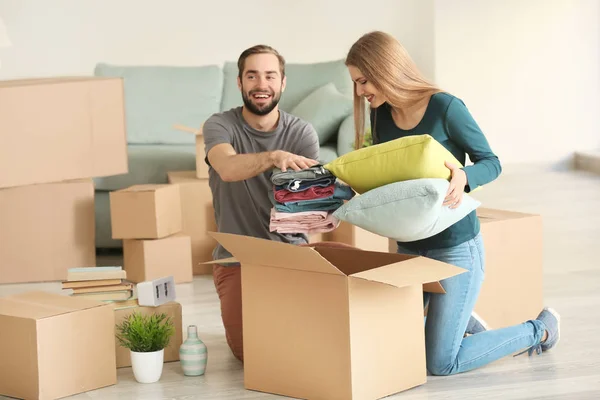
column 332, row 323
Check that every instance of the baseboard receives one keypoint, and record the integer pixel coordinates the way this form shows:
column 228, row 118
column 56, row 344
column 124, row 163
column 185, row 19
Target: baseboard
column 588, row 161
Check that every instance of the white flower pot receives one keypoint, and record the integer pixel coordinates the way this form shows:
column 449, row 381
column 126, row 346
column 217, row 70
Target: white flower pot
column 147, row 367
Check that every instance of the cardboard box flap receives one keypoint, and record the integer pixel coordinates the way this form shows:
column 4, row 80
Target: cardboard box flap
column 256, row 251
column 176, row 177
column 197, row 132
column 52, row 80
column 38, row 305
column 149, row 187
column 229, row 260
column 415, row 270
column 491, row 214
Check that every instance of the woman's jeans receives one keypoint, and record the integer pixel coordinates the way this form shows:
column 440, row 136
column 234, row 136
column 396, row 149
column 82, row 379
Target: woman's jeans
column 448, row 351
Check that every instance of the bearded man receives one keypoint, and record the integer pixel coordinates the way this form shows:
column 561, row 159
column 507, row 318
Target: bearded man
column 242, row 146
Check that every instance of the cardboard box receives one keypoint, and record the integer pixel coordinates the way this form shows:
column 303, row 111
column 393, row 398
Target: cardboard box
column 145, row 211
column 45, row 230
column 512, row 291
column 55, row 129
column 149, row 259
column 201, row 166
column 55, row 346
column 172, row 309
column 332, row 323
column 198, row 217
column 357, row 237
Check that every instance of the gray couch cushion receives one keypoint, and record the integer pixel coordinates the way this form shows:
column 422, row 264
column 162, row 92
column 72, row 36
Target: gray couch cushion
column 104, row 238
column 327, row 154
column 158, row 97
column 150, row 164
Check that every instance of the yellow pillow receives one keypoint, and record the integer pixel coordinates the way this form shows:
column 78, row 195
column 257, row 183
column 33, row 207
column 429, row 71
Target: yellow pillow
column 411, row 157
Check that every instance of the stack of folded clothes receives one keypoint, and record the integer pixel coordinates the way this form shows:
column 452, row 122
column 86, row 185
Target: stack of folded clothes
column 304, row 201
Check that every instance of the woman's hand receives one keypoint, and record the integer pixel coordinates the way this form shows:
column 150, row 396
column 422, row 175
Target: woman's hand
column 457, row 186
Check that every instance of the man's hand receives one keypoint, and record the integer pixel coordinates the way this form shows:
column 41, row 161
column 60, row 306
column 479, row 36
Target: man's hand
column 457, row 186
column 284, row 160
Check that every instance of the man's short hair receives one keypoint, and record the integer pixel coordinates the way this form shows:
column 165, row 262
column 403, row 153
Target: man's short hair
column 260, row 49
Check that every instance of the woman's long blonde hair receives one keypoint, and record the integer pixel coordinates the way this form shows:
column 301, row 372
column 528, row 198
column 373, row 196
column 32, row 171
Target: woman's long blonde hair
column 387, row 65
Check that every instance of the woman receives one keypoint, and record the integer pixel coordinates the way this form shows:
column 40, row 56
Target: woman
column 404, row 103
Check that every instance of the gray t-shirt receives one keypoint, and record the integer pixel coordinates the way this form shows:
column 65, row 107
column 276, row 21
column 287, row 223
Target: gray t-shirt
column 244, row 207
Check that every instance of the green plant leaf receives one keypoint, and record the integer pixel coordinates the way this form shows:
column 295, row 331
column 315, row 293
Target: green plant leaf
column 367, row 140
column 145, row 333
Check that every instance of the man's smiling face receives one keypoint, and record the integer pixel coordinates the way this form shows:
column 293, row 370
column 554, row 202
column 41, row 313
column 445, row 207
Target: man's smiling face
column 261, row 83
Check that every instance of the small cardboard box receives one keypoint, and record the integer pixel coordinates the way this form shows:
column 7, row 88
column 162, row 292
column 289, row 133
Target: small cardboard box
column 198, row 217
column 55, row 129
column 145, row 211
column 357, row 237
column 46, row 229
column 55, row 346
column 332, row 323
column 149, row 259
column 172, row 309
column 512, row 291
column 201, row 166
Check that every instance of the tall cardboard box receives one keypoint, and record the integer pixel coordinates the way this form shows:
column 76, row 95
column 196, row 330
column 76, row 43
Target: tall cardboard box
column 55, row 346
column 512, row 291
column 55, row 129
column 357, row 237
column 149, row 259
column 198, row 217
column 148, row 211
column 46, row 229
column 201, row 166
column 331, row 323
column 172, row 309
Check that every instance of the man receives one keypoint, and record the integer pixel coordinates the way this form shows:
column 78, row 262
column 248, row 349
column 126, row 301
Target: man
column 242, row 146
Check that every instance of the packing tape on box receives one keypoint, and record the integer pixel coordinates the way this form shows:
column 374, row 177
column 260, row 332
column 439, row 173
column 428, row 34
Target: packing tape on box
column 156, row 292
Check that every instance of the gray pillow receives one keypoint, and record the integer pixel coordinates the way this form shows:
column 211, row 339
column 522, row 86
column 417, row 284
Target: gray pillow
column 325, row 108
column 405, row 211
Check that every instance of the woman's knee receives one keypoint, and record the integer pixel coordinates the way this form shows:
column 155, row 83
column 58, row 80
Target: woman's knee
column 440, row 369
column 441, row 365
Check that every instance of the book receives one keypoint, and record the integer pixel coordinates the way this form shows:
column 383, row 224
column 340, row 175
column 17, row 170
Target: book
column 101, row 296
column 106, row 289
column 92, row 283
column 95, row 273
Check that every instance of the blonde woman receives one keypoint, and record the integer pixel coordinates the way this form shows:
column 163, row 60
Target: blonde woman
column 404, row 103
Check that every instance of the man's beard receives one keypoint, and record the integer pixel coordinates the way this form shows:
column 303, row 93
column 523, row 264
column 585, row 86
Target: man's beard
column 263, row 109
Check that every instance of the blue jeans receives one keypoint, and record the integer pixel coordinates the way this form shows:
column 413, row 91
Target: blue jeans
column 448, row 351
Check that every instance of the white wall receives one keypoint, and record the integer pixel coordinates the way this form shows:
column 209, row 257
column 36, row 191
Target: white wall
column 61, row 37
column 528, row 70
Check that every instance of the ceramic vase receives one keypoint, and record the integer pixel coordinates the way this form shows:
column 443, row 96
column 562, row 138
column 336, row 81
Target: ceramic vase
column 147, row 367
column 193, row 353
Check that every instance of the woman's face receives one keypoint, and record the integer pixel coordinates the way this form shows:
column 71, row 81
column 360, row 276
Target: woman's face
column 365, row 88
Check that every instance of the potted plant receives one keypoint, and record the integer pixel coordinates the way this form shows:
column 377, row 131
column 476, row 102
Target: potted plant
column 367, row 140
column 146, row 336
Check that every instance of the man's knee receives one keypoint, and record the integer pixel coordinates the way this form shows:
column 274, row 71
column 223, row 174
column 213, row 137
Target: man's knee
column 228, row 284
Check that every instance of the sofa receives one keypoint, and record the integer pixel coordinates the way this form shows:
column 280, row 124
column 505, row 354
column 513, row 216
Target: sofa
column 159, row 97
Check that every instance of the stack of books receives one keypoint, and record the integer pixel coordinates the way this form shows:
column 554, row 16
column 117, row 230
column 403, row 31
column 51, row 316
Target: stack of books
column 106, row 284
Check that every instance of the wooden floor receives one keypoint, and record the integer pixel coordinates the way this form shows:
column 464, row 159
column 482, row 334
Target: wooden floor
column 570, row 204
